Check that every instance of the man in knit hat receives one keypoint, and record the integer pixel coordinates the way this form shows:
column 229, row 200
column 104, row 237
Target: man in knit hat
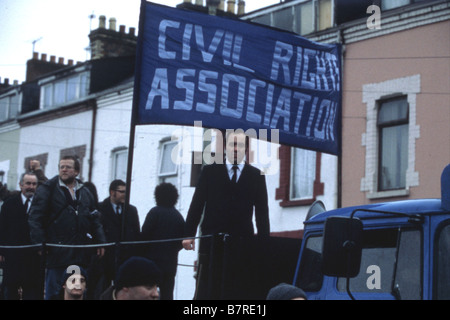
column 285, row 291
column 73, row 284
column 136, row 279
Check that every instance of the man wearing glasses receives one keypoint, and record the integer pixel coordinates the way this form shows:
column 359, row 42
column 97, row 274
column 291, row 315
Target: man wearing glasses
column 118, row 228
column 63, row 213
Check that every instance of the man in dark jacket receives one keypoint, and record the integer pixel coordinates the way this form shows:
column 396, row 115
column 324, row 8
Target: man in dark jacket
column 63, row 213
column 14, row 231
column 117, row 228
column 161, row 223
column 226, row 198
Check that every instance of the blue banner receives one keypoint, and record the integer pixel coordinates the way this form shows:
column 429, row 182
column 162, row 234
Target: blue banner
column 232, row 74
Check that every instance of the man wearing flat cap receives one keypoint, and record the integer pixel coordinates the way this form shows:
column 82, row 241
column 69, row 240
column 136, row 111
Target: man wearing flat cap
column 136, row 279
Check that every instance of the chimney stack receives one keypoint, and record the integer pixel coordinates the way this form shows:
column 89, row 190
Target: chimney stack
column 37, row 67
column 110, row 42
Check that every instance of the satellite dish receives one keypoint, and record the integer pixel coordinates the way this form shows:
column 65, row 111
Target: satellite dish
column 316, row 207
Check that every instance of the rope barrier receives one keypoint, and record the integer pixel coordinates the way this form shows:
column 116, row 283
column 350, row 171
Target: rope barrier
column 99, row 245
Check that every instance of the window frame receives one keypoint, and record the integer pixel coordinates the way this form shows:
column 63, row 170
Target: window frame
column 114, row 155
column 371, row 94
column 283, row 192
column 49, row 90
column 8, row 98
column 169, row 174
column 381, row 127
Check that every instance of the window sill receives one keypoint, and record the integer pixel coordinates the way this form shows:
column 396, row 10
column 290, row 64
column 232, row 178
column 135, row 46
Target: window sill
column 388, row 194
column 296, row 203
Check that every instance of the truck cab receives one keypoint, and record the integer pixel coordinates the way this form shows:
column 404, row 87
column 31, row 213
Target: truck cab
column 383, row 251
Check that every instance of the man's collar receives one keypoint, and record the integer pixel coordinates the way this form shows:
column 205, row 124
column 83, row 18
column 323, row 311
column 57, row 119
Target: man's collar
column 76, row 184
column 24, row 198
column 230, row 165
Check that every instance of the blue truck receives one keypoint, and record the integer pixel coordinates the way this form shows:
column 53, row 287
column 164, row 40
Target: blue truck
column 383, row 251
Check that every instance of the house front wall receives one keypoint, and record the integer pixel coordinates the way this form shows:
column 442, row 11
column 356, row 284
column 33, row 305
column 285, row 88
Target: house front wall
column 415, row 63
column 53, row 138
column 9, row 137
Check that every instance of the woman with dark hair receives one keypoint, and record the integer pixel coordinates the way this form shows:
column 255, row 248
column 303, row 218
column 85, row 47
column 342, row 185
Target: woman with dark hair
column 164, row 222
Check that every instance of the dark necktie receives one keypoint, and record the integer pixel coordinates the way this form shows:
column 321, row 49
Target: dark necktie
column 118, row 209
column 27, row 202
column 234, row 178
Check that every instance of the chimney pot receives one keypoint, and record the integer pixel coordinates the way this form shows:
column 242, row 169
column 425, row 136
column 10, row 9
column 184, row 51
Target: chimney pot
column 132, row 31
column 122, row 28
column 70, row 62
column 60, row 60
column 52, row 59
column 35, row 55
column 231, row 6
column 241, row 7
column 199, row 2
column 102, row 22
column 6, row 81
column 44, row 57
column 221, row 5
column 186, row 1
column 112, row 24
column 16, row 82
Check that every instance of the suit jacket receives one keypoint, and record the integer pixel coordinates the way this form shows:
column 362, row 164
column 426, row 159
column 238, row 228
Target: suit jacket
column 227, row 208
column 14, row 231
column 112, row 225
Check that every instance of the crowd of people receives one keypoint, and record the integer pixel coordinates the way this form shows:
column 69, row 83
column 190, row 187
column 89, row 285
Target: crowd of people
column 51, row 227
column 55, row 234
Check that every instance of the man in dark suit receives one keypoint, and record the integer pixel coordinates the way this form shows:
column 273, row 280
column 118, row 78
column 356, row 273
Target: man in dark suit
column 118, row 228
column 23, row 267
column 225, row 199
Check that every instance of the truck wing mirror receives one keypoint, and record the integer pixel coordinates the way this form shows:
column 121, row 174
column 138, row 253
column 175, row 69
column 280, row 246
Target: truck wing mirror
column 342, row 247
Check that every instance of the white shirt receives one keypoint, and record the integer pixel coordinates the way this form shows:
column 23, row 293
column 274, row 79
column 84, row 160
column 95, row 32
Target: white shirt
column 115, row 207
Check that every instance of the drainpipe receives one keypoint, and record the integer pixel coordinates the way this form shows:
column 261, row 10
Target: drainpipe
column 93, row 128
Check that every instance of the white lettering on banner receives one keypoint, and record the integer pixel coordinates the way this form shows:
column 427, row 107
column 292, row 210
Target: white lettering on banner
column 326, row 69
column 235, row 96
column 289, row 107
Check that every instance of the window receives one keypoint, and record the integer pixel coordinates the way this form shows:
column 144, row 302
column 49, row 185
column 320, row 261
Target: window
column 303, row 173
column 442, row 272
column 325, row 19
column 9, row 107
column 301, row 18
column 284, row 19
column 299, row 177
column 392, row 4
column 64, row 90
column 119, row 164
column 391, row 258
column 168, row 168
column 310, row 275
column 384, row 115
column 393, row 144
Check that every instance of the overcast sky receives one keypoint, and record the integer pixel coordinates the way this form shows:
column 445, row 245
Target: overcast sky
column 61, row 28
